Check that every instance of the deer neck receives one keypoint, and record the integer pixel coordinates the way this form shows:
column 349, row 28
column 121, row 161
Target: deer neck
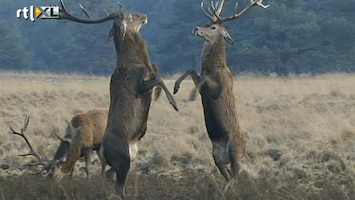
column 213, row 55
column 129, row 50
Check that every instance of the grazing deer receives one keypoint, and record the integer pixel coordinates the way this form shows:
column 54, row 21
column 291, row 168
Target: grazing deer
column 215, row 85
column 86, row 132
column 130, row 92
column 83, row 134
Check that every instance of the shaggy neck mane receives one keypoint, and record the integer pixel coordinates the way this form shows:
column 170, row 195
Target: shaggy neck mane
column 214, row 54
column 129, row 49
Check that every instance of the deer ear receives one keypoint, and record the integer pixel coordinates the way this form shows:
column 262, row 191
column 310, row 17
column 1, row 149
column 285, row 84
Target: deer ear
column 123, row 29
column 110, row 33
column 226, row 36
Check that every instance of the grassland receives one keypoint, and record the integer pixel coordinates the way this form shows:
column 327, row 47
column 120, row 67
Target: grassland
column 300, row 140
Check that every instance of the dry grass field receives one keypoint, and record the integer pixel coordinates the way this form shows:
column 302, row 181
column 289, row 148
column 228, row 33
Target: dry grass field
column 300, row 140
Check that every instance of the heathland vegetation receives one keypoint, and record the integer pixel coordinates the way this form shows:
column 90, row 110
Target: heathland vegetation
column 300, row 140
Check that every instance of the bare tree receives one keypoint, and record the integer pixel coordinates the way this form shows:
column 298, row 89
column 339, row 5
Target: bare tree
column 130, row 92
column 215, row 85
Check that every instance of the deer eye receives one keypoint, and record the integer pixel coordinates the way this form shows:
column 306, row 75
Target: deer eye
column 213, row 27
column 121, row 15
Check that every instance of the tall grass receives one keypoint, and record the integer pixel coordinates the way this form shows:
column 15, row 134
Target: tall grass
column 300, row 139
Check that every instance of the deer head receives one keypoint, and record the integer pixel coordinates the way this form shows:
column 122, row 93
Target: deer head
column 123, row 22
column 215, row 31
column 126, row 22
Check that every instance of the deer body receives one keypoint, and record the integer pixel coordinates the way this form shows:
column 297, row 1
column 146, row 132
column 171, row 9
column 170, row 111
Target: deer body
column 130, row 91
column 83, row 134
column 131, row 94
column 87, row 132
column 215, row 85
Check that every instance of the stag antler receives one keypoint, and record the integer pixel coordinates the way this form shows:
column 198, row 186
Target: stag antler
column 64, row 14
column 48, row 165
column 84, row 11
column 66, row 140
column 214, row 14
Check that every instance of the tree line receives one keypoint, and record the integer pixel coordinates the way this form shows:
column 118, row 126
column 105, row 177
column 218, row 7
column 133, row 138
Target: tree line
column 299, row 36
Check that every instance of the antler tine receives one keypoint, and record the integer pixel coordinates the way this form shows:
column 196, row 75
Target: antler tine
column 236, row 7
column 84, row 11
column 64, row 14
column 120, row 5
column 209, row 15
column 61, row 138
column 214, row 14
column 42, row 159
column 106, row 12
column 236, row 14
column 25, row 124
column 220, row 7
column 63, row 6
column 213, row 7
column 50, row 167
column 260, row 3
column 32, row 151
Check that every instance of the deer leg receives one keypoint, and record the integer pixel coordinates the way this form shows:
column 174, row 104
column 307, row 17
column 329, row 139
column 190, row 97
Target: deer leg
column 193, row 94
column 71, row 172
column 121, row 193
column 235, row 150
column 235, row 166
column 220, row 156
column 195, row 78
column 102, row 160
column 109, row 174
column 228, row 184
column 210, row 84
column 87, row 161
column 149, row 84
column 119, row 159
column 157, row 90
column 168, row 95
column 121, row 176
column 156, row 93
column 197, row 87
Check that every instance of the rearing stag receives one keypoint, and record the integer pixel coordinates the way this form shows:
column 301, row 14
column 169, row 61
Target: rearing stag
column 215, row 85
column 130, row 92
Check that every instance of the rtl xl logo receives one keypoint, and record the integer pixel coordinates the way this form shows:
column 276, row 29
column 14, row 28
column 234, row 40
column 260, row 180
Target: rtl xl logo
column 42, row 12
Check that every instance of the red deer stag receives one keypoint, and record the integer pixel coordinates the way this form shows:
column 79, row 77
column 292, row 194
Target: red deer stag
column 83, row 134
column 215, row 85
column 130, row 92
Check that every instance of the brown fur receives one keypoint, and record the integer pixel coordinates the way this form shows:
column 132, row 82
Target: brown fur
column 131, row 93
column 215, row 84
column 87, row 130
